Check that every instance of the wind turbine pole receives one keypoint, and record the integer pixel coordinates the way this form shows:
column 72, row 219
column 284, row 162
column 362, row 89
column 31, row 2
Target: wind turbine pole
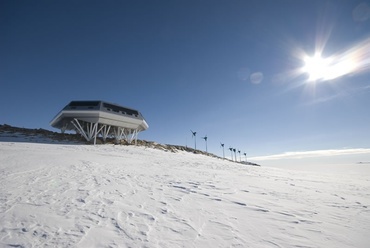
column 223, row 150
column 205, row 138
column 194, row 134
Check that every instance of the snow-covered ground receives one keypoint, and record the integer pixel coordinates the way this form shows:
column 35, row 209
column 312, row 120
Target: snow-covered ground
column 62, row 195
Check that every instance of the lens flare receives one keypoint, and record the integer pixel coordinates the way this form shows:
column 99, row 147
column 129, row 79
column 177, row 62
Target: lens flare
column 324, row 69
column 351, row 61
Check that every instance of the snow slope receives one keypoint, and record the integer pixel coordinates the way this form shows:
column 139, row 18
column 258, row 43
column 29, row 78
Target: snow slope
column 62, row 195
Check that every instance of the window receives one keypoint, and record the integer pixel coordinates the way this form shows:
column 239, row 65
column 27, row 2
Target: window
column 89, row 104
column 118, row 109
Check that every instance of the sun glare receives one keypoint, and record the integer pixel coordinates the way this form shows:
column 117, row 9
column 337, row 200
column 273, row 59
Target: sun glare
column 352, row 61
column 316, row 67
column 320, row 69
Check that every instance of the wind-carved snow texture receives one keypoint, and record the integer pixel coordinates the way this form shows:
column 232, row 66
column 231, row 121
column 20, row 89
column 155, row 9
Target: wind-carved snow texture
column 127, row 196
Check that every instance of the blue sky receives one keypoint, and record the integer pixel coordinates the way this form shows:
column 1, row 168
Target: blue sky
column 226, row 69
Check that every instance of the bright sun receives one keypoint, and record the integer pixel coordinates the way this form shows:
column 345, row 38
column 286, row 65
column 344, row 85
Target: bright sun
column 316, row 67
column 319, row 68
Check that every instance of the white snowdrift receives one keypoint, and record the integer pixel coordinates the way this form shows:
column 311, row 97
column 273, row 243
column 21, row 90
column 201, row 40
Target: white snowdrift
column 126, row 196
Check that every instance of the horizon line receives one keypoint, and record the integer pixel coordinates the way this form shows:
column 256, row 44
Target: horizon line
column 313, row 153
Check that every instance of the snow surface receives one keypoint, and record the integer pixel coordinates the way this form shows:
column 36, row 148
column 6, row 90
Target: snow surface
column 62, row 195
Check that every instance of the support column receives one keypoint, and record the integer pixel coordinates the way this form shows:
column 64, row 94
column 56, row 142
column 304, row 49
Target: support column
column 104, row 130
column 89, row 133
column 118, row 133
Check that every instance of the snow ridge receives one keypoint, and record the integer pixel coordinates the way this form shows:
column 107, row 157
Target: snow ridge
column 10, row 133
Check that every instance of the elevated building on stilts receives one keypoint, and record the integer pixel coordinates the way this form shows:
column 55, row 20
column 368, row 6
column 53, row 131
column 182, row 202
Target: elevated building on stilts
column 94, row 119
